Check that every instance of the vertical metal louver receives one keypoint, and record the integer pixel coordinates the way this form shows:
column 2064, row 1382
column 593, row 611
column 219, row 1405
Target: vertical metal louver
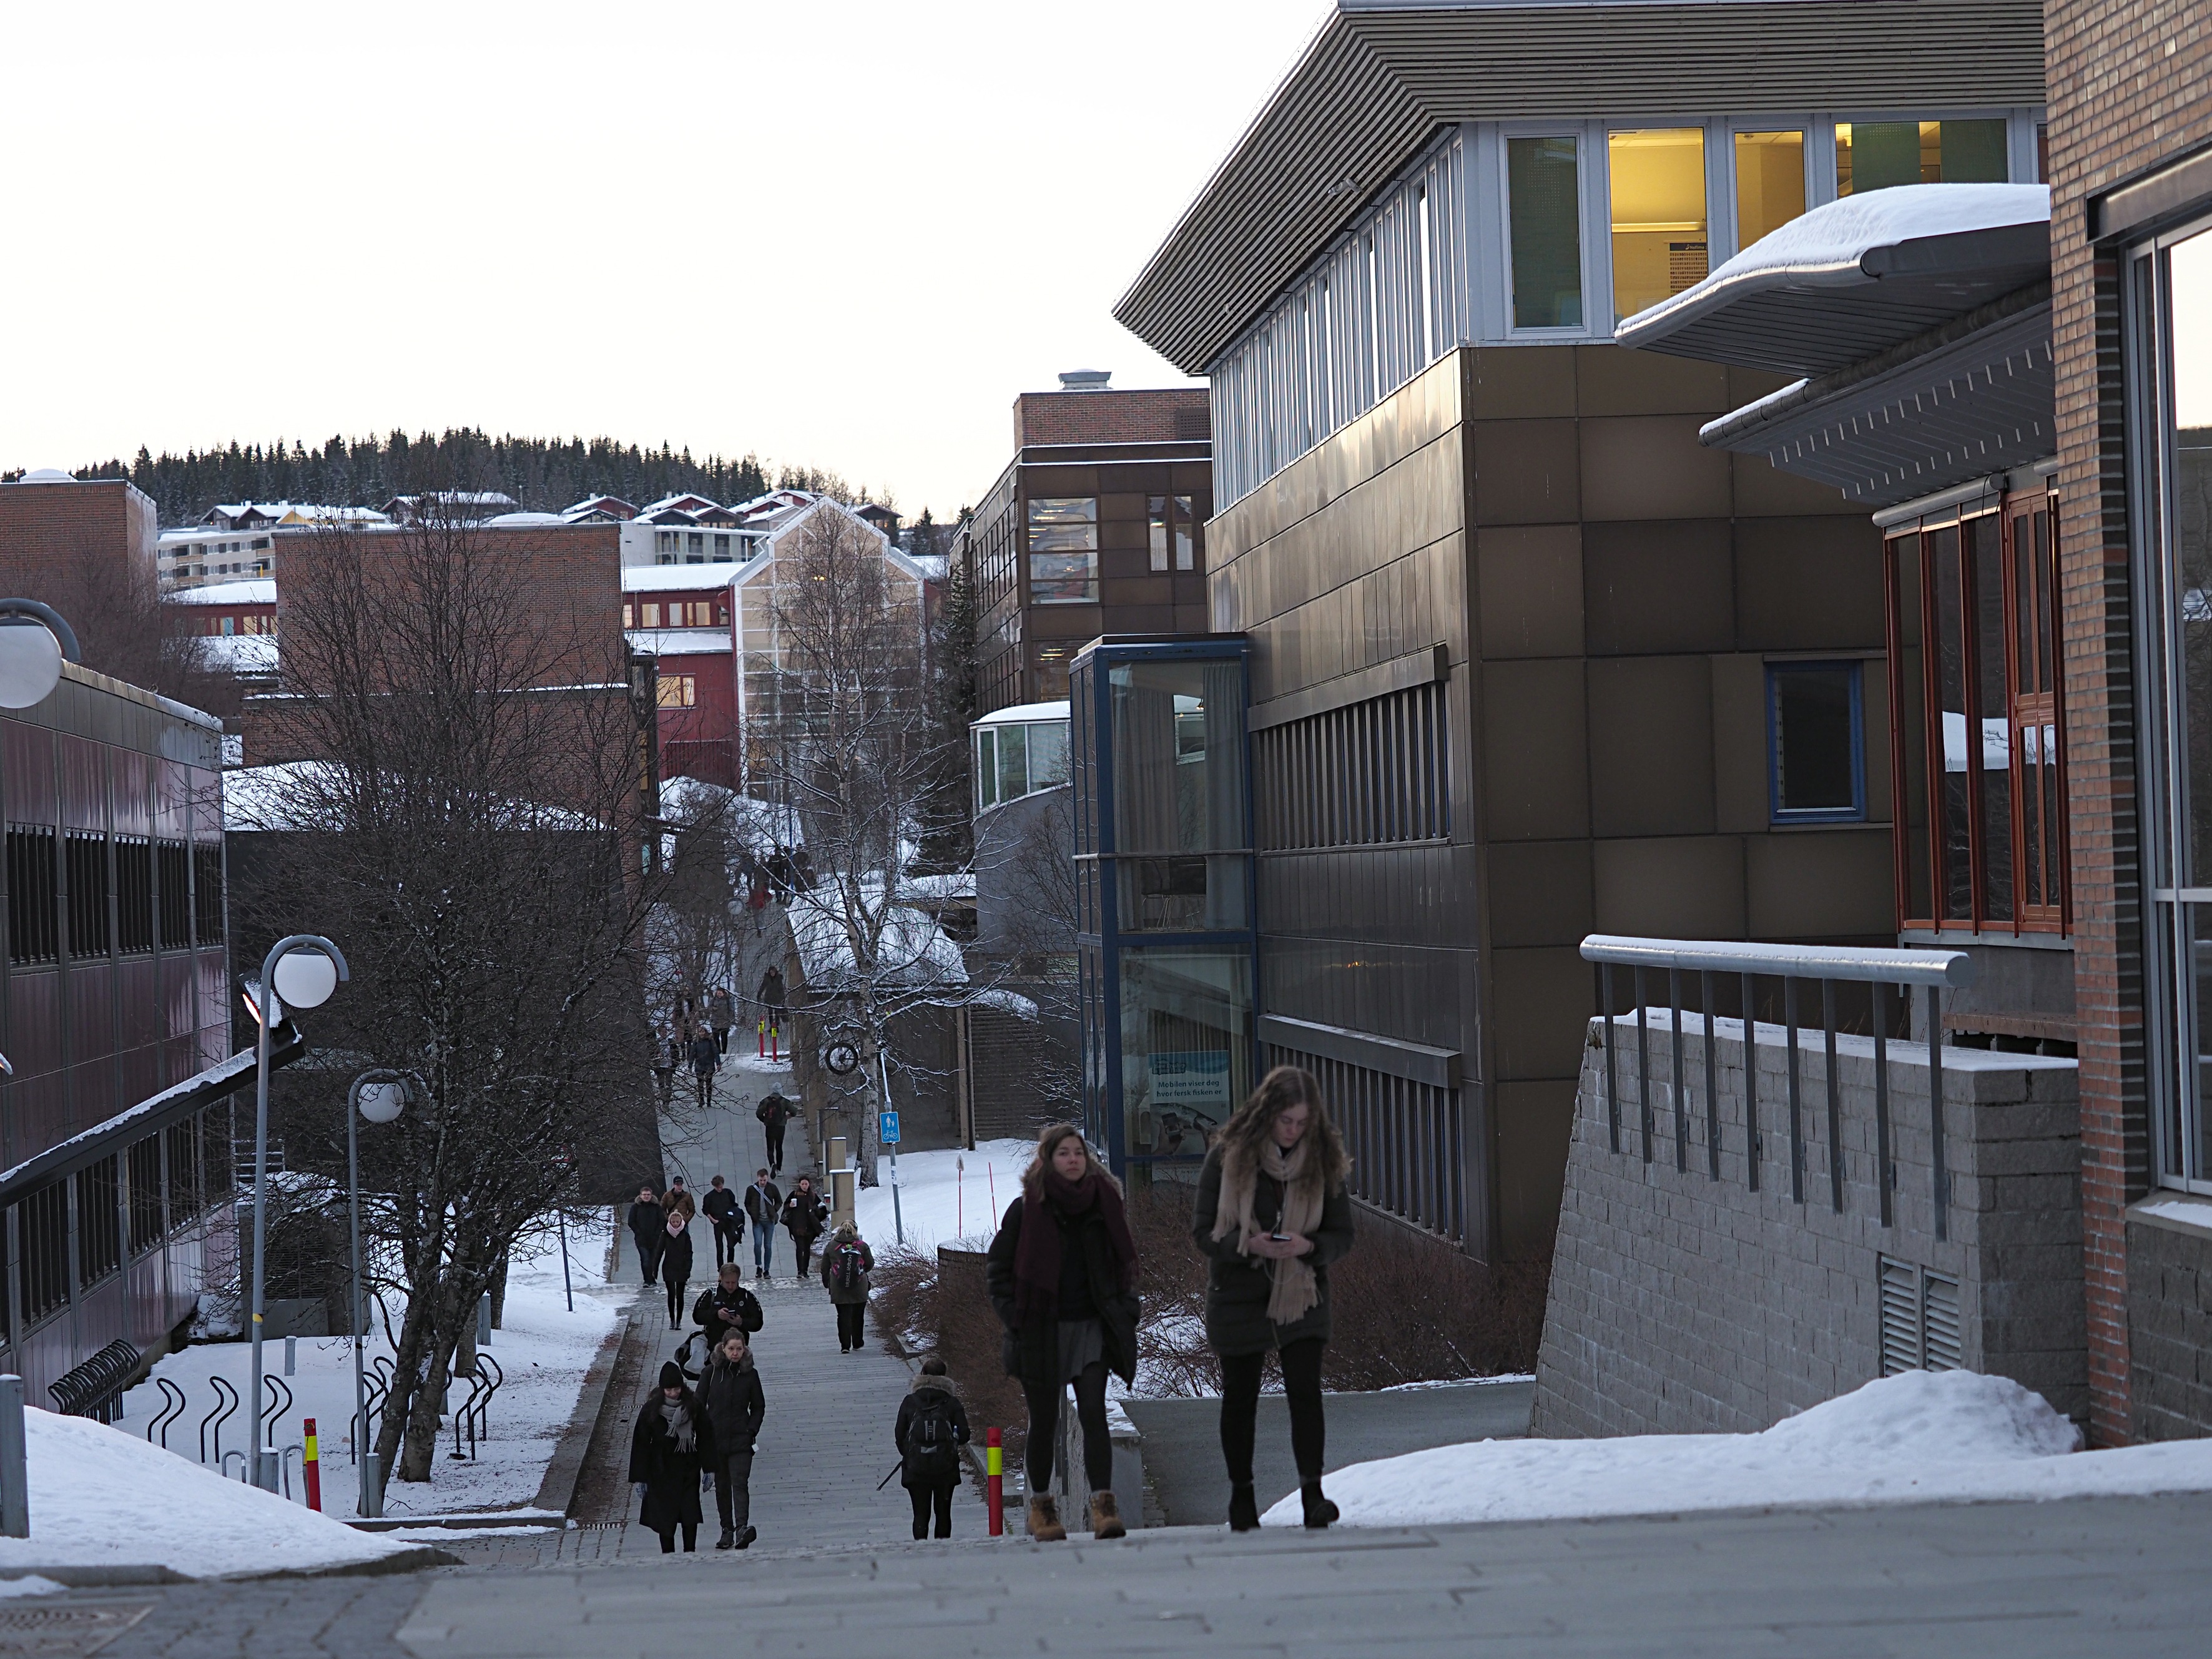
column 1938, row 1322
column 1919, row 1319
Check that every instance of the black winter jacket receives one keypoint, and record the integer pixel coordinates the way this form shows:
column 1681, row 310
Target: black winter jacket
column 805, row 1215
column 1031, row 1353
column 1237, row 1286
column 734, row 1403
column 675, row 1256
column 647, row 1222
column 914, row 1470
column 718, row 1311
column 721, row 1208
column 671, row 1478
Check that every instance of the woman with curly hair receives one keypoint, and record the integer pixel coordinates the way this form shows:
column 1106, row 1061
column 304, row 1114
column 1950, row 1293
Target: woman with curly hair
column 1062, row 1274
column 1271, row 1215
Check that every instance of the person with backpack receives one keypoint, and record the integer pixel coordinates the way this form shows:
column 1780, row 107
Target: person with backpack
column 675, row 1266
column 774, row 1113
column 932, row 1427
column 726, row 1306
column 672, row 1444
column 646, row 1221
column 763, row 1203
column 727, row 1220
column 731, row 1391
column 804, row 1216
column 846, row 1265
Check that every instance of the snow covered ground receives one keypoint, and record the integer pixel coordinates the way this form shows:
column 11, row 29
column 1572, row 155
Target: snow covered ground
column 1919, row 1438
column 101, row 1497
column 544, row 1349
column 946, row 1198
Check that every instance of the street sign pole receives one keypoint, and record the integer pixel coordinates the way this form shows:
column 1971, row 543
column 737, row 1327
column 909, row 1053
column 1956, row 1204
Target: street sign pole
column 888, row 1123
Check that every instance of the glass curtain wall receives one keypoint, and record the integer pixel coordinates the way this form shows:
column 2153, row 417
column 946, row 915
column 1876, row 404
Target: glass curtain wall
column 2171, row 317
column 1876, row 155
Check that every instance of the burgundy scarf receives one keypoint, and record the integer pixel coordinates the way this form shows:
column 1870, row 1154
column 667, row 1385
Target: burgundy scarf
column 1036, row 1258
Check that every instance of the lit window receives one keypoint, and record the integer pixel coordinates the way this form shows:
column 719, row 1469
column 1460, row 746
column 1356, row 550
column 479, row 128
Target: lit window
column 1063, row 550
column 679, row 690
column 1770, row 183
column 1816, row 743
column 1876, row 155
column 652, row 613
column 627, row 620
column 1157, row 520
column 1658, row 214
column 1544, row 220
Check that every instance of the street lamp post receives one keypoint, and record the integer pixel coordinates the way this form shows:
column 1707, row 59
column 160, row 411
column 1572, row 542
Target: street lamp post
column 302, row 969
column 379, row 1096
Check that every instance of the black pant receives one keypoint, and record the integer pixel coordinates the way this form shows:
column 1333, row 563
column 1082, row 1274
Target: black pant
column 852, row 1328
column 803, row 1249
column 733, row 1491
column 691, row 1537
column 923, row 1496
column 728, row 1235
column 1089, row 1411
column 705, row 1076
column 648, row 1261
column 676, row 1288
column 775, row 1149
column 722, row 1039
column 1240, row 1409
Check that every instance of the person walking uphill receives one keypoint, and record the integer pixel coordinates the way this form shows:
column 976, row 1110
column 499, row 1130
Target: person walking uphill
column 804, row 1216
column 672, row 1442
column 731, row 1391
column 1062, row 1274
column 675, row 1266
column 932, row 1427
column 1271, row 1214
column 646, row 1221
column 846, row 1265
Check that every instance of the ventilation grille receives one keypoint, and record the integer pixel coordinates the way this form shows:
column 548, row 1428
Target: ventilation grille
column 1919, row 1319
column 1938, row 1322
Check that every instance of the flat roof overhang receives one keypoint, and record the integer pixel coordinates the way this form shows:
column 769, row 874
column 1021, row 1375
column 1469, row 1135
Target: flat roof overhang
column 1376, row 81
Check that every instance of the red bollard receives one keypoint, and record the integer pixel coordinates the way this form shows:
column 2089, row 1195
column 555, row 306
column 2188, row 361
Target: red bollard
column 776, row 1045
column 311, row 1468
column 760, row 1034
column 994, row 1481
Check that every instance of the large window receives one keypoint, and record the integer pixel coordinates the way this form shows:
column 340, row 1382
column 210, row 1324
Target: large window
column 1017, row 758
column 1544, row 223
column 1171, row 529
column 2171, row 380
column 1186, row 1019
column 1063, row 550
column 1179, row 796
column 1658, row 214
column 1876, row 155
column 1770, row 183
column 1976, row 743
column 679, row 690
column 1815, row 745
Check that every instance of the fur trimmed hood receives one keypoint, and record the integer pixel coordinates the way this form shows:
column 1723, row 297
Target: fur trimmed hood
column 923, row 1382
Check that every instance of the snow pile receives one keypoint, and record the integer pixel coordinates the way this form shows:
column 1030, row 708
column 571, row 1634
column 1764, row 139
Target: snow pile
column 941, row 1201
column 101, row 1497
column 1918, row 1438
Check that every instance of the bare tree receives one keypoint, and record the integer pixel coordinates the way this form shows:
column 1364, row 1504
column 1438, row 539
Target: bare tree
column 472, row 832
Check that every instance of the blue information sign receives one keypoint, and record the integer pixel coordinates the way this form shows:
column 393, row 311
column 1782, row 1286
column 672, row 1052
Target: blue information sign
column 890, row 1127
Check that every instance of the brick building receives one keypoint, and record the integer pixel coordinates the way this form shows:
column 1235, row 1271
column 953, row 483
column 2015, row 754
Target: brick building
column 50, row 520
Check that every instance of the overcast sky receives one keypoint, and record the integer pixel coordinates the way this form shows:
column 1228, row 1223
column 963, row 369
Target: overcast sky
column 844, row 233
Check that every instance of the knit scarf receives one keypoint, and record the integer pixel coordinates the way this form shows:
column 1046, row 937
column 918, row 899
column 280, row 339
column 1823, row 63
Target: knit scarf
column 1036, row 1258
column 678, row 1417
column 1294, row 1291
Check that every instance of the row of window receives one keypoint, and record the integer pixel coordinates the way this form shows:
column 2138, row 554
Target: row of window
column 1016, row 760
column 1376, row 771
column 676, row 613
column 224, row 626
column 188, row 880
column 1063, row 543
column 203, row 549
column 689, row 547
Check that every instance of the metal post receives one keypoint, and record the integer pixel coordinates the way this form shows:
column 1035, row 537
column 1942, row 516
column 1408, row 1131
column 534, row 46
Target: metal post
column 291, row 1355
column 483, row 1320
column 1674, row 1042
column 1712, row 1081
column 15, row 1463
column 1881, row 1179
column 270, row 1012
column 1605, row 1016
column 1642, row 1062
column 1941, row 1173
column 1796, row 1115
column 567, row 1288
column 1835, row 1110
column 883, row 1073
column 1751, row 1146
column 363, row 1458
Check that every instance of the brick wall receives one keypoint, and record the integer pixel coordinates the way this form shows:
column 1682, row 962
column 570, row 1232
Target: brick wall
column 1168, row 415
column 2170, row 1321
column 43, row 524
column 1682, row 1303
column 2127, row 90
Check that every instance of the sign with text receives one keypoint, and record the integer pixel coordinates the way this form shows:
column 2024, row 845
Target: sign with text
column 1196, row 1078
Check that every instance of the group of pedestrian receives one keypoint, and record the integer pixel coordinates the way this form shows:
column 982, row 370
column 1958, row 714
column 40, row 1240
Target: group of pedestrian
column 686, row 1440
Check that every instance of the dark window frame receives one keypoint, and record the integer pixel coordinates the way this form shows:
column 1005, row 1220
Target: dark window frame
column 1776, row 812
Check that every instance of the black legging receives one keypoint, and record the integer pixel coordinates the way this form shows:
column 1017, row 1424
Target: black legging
column 922, row 1497
column 676, row 1288
column 1090, row 1412
column 1240, row 1409
column 852, row 1325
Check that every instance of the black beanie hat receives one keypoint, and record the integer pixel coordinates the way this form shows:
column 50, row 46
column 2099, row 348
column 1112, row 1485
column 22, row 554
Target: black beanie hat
column 671, row 1375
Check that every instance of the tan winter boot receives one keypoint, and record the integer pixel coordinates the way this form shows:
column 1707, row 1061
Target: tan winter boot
column 1106, row 1516
column 1044, row 1519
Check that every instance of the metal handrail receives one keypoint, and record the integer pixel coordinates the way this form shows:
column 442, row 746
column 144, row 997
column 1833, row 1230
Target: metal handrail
column 1935, row 971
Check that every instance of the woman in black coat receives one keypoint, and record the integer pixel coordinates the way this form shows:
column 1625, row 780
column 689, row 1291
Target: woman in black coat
column 1270, row 1216
column 675, row 1266
column 1062, row 1274
column 672, row 1444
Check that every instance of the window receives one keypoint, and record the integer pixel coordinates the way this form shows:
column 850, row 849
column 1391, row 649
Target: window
column 1815, row 742
column 1063, row 533
column 628, row 612
column 173, row 865
column 141, row 1164
column 1770, row 183
column 2170, row 382
column 1156, row 517
column 1371, row 772
column 696, row 547
column 1876, row 155
column 133, row 895
column 1171, row 523
column 667, row 546
column 721, row 550
column 1658, row 214
column 207, row 894
column 45, row 1251
column 33, row 916
column 679, row 690
column 86, row 856
column 1977, row 744
column 649, row 614
column 1544, row 221
column 99, row 1223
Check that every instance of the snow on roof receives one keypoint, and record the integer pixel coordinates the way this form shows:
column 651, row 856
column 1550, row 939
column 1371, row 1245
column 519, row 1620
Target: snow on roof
column 288, row 512
column 759, row 822
column 678, row 578
column 242, row 654
column 686, row 502
column 933, row 566
column 614, row 505
column 913, row 951
column 252, row 590
column 47, row 475
column 959, row 884
column 524, row 517
column 1025, row 714
column 680, row 641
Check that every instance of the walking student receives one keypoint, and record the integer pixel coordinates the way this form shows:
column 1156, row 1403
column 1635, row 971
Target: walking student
column 677, row 1200
column 1271, row 1214
column 675, row 1266
column 1062, row 1274
column 932, row 1427
column 763, row 1203
column 728, row 1221
column 721, row 1016
column 705, row 1060
column 804, row 1216
column 774, row 1113
column 664, row 1062
column 726, row 1306
column 672, row 1442
column 731, row 1391
column 845, row 1265
column 645, row 1217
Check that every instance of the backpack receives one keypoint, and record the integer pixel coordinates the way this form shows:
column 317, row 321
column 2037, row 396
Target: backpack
column 847, row 1270
column 932, row 1442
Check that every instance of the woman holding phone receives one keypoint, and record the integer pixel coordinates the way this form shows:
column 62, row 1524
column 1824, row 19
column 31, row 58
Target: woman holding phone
column 1271, row 1215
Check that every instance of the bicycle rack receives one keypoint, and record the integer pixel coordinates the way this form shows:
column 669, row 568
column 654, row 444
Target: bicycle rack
column 372, row 1398
column 269, row 1419
column 172, row 1407
column 492, row 1384
column 226, row 1402
column 474, row 1381
column 284, row 1463
column 240, row 1457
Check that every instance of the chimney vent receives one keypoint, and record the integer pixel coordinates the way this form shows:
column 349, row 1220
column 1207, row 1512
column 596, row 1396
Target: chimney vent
column 1084, row 379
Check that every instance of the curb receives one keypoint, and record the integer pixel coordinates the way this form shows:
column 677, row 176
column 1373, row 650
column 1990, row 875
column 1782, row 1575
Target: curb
column 126, row 1577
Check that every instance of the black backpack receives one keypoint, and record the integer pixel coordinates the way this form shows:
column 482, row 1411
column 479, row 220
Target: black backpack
column 847, row 1271
column 932, row 1441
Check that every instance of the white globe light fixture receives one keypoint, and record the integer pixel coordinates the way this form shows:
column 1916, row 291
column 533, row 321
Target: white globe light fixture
column 34, row 642
column 305, row 979
column 382, row 1102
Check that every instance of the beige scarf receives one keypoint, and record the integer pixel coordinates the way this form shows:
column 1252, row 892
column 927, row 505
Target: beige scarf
column 1295, row 1290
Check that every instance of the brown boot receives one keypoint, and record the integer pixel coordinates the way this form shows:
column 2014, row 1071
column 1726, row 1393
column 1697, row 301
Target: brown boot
column 1044, row 1519
column 1106, row 1516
